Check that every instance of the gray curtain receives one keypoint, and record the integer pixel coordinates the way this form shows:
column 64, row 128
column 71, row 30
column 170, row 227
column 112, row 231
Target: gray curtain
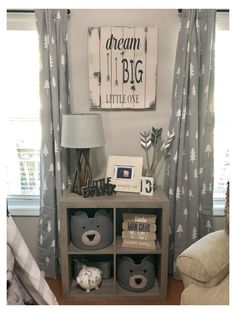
column 52, row 33
column 189, row 170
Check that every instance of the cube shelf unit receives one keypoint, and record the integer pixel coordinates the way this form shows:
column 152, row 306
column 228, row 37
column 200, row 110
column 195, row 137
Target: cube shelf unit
column 118, row 204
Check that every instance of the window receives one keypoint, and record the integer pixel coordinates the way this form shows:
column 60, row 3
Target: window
column 222, row 112
column 23, row 104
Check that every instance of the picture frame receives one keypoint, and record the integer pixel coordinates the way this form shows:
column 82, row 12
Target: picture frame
column 125, row 172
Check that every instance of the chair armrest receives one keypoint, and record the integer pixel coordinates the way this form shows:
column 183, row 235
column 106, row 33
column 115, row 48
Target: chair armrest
column 218, row 295
column 207, row 260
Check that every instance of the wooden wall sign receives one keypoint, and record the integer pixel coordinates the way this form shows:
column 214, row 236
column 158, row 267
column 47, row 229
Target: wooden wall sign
column 122, row 67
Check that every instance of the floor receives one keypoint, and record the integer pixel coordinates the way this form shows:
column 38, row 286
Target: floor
column 175, row 288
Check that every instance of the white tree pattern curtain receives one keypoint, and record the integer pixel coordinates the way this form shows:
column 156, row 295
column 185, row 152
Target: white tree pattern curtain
column 52, row 32
column 189, row 170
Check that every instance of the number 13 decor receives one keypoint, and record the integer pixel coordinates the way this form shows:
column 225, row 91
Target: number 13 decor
column 122, row 67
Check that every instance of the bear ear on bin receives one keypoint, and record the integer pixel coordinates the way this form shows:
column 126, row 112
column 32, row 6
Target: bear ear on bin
column 81, row 214
column 101, row 212
column 147, row 259
column 128, row 259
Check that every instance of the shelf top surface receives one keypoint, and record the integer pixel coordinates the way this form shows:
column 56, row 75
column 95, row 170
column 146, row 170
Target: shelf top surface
column 117, row 200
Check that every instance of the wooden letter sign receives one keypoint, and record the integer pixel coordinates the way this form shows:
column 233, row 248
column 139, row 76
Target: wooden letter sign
column 122, row 67
column 139, row 231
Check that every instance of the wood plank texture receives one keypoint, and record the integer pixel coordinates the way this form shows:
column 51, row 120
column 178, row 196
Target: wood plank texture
column 122, row 67
column 155, row 207
column 174, row 290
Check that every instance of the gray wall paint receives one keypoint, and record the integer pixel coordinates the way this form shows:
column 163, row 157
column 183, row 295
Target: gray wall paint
column 121, row 128
column 28, row 227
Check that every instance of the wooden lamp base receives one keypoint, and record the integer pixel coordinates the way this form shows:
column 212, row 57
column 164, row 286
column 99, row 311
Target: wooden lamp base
column 83, row 173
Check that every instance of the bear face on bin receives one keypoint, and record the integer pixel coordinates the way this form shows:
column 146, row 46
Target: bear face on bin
column 136, row 276
column 91, row 232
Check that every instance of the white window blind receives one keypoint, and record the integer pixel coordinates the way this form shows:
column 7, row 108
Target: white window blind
column 23, row 105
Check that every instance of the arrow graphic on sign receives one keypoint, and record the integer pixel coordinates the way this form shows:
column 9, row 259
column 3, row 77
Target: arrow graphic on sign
column 108, row 76
column 116, row 81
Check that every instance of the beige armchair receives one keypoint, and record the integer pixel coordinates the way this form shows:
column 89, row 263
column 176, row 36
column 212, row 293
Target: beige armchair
column 204, row 269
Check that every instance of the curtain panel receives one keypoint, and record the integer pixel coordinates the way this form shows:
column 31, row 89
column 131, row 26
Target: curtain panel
column 54, row 92
column 189, row 170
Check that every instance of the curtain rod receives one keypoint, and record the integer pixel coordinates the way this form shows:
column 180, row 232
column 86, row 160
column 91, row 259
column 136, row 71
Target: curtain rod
column 68, row 11
column 27, row 11
column 219, row 10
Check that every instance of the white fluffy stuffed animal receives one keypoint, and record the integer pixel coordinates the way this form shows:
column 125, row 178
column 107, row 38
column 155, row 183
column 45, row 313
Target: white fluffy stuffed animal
column 89, row 278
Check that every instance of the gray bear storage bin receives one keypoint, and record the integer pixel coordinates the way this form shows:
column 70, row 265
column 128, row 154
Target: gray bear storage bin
column 91, row 232
column 136, row 276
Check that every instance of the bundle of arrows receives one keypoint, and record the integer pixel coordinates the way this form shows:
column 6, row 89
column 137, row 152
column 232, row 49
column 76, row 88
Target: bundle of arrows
column 161, row 148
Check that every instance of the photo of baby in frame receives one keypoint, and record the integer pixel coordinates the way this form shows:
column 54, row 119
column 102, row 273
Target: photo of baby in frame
column 124, row 172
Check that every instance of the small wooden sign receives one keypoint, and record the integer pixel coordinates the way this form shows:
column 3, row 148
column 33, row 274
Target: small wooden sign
column 122, row 67
column 151, row 245
column 147, row 186
column 139, row 226
column 139, row 231
column 98, row 188
column 139, row 217
column 138, row 235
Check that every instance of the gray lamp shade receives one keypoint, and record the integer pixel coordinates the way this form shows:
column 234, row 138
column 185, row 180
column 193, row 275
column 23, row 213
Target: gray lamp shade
column 83, row 130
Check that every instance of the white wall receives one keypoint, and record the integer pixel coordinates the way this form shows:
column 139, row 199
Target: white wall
column 121, row 127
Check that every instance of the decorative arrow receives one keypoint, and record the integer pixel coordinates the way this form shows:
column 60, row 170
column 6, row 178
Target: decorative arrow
column 146, row 144
column 161, row 148
column 156, row 134
column 145, row 140
column 156, row 143
column 167, row 145
column 108, row 76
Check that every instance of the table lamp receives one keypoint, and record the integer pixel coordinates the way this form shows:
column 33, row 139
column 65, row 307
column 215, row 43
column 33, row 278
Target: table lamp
column 82, row 131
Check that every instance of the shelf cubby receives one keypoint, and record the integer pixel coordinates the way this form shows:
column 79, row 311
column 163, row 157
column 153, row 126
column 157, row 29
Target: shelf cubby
column 116, row 205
